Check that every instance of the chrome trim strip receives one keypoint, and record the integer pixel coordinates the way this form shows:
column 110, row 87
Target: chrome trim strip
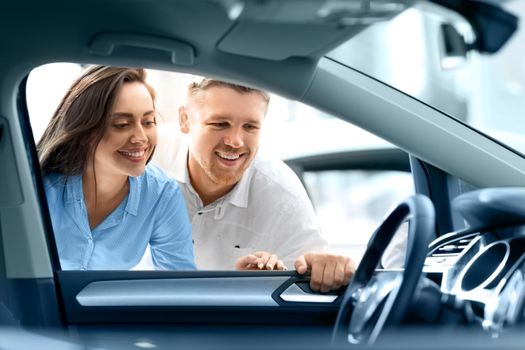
column 227, row 291
column 295, row 294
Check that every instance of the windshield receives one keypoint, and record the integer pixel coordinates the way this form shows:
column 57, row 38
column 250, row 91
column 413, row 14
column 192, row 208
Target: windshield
column 485, row 91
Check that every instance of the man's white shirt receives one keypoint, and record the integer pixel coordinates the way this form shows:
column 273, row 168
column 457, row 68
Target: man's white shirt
column 268, row 210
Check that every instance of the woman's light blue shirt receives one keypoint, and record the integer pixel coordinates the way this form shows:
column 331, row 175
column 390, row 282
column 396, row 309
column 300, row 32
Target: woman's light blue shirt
column 153, row 212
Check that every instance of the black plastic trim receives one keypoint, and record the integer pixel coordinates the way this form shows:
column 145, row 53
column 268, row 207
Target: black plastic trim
column 27, row 134
column 375, row 159
column 493, row 25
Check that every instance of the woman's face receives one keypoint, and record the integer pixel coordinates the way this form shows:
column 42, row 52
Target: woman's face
column 131, row 135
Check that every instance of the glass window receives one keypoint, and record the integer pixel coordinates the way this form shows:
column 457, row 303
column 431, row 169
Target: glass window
column 482, row 90
column 350, row 204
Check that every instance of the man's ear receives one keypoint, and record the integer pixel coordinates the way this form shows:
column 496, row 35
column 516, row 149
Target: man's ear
column 184, row 120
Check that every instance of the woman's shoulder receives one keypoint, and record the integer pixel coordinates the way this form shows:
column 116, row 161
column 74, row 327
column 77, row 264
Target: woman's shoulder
column 53, row 181
column 156, row 179
column 154, row 172
column 58, row 187
column 157, row 189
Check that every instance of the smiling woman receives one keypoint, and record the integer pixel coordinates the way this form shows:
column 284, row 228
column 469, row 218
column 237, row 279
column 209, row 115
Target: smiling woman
column 94, row 156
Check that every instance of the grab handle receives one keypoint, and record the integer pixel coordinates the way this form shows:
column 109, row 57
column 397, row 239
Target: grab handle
column 180, row 53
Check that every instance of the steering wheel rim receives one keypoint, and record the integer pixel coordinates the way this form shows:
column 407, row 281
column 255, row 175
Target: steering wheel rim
column 370, row 301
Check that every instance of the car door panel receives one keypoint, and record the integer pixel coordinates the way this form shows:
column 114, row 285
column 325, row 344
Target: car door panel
column 195, row 296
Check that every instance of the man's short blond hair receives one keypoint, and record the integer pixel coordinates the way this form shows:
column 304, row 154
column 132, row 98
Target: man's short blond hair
column 204, row 84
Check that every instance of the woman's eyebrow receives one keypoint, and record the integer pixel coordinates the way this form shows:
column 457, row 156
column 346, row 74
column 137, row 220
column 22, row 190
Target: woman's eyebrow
column 122, row 115
column 129, row 115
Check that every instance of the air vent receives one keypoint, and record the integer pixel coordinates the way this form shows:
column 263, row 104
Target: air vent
column 448, row 254
column 454, row 248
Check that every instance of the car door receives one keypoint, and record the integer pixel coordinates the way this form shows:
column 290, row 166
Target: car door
column 129, row 299
column 124, row 299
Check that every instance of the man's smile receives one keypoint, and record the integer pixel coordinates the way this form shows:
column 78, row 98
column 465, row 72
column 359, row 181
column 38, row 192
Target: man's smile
column 228, row 156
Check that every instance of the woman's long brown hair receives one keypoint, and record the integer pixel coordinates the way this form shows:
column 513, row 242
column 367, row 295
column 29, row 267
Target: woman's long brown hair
column 81, row 118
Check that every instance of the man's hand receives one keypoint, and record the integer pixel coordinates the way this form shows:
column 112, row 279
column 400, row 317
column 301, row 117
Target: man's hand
column 327, row 271
column 259, row 261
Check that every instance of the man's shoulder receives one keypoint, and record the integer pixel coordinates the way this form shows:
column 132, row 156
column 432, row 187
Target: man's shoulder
column 276, row 174
column 276, row 192
column 271, row 166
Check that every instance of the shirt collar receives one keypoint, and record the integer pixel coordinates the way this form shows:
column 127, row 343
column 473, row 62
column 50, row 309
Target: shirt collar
column 238, row 196
column 73, row 188
column 180, row 172
column 74, row 192
column 134, row 194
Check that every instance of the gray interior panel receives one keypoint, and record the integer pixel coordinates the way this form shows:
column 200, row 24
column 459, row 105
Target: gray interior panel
column 10, row 190
column 435, row 136
column 239, row 291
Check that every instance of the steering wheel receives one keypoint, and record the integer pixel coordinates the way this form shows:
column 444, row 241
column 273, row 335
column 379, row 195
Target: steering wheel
column 372, row 301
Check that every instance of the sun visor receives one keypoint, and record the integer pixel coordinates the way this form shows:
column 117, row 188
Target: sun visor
column 277, row 30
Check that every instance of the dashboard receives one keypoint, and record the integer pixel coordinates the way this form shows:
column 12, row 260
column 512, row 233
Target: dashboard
column 480, row 270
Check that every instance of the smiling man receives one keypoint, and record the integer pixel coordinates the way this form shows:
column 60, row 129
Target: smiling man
column 246, row 212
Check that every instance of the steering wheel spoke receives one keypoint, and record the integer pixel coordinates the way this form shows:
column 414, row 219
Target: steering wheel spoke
column 374, row 300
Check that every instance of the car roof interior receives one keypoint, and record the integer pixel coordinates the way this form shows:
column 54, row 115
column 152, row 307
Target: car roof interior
column 245, row 44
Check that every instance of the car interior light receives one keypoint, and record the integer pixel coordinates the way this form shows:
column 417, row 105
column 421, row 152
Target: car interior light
column 145, row 344
column 234, row 9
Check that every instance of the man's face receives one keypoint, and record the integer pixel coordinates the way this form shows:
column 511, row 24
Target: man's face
column 224, row 129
